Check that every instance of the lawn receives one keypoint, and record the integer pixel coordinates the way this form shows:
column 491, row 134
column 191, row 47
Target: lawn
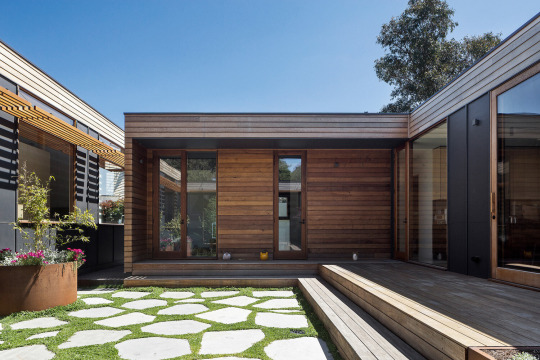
column 261, row 321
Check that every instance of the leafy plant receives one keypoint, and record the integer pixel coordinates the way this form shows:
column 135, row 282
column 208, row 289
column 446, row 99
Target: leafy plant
column 39, row 231
column 524, row 356
column 112, row 211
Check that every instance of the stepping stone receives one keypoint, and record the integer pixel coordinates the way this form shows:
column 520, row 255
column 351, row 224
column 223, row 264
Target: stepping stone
column 229, row 342
column 126, row 320
column 180, row 327
column 95, row 292
column 304, row 348
column 144, row 304
column 177, row 294
column 96, row 312
column 96, row 301
column 43, row 335
column 1, row 342
column 183, row 309
column 278, row 304
column 93, row 337
column 46, row 322
column 232, row 358
column 152, row 348
column 273, row 293
column 130, row 294
column 213, row 294
column 227, row 315
column 286, row 311
column 33, row 352
column 237, row 301
column 281, row 320
column 189, row 301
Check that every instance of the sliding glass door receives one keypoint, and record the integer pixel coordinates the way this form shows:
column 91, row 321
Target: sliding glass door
column 185, row 222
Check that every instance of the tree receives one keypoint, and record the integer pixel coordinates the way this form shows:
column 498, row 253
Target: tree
column 420, row 59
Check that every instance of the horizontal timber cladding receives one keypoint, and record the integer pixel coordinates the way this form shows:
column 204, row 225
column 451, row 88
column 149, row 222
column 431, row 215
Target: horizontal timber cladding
column 351, row 126
column 245, row 202
column 514, row 55
column 137, row 205
column 349, row 203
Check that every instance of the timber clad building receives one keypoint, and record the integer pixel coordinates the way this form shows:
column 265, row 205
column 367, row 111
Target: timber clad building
column 455, row 184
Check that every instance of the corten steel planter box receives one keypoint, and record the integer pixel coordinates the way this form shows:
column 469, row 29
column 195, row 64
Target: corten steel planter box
column 36, row 287
column 477, row 352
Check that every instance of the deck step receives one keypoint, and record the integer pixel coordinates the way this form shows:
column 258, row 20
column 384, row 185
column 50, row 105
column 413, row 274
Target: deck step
column 431, row 333
column 356, row 334
column 211, row 281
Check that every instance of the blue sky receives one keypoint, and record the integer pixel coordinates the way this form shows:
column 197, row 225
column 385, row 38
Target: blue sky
column 224, row 55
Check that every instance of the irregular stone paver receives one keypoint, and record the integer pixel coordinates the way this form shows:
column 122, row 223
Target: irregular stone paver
column 278, row 304
column 227, row 315
column 96, row 301
column 212, row 294
column 130, row 294
column 281, row 320
column 183, row 309
column 33, row 352
column 43, row 335
column 189, row 301
column 105, row 311
column 286, row 311
column 176, row 294
column 95, row 292
column 229, row 342
column 1, row 342
column 45, row 322
column 232, row 358
column 144, row 304
column 237, row 301
column 304, row 348
column 152, row 348
column 179, row 327
column 93, row 337
column 126, row 320
column 273, row 293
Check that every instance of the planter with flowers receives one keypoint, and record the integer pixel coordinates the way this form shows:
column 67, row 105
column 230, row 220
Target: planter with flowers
column 42, row 277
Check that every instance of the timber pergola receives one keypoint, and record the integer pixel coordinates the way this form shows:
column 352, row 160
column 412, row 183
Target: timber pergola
column 39, row 118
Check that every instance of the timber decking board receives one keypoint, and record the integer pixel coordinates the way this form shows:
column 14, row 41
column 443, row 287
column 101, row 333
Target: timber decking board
column 357, row 335
column 517, row 319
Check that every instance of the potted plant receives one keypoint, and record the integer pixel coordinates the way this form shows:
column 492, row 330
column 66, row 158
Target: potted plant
column 41, row 277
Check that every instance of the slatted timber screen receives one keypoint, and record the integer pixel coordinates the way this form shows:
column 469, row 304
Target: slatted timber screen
column 136, row 205
column 245, row 202
column 349, row 203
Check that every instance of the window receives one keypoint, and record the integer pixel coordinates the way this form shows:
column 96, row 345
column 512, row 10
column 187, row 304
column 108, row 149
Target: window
column 518, row 176
column 47, row 156
column 428, row 200
column 111, row 195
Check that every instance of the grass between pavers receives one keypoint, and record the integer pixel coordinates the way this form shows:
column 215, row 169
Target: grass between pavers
column 17, row 338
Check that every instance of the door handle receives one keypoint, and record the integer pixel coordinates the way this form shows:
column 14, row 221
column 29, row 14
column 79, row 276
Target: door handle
column 181, row 221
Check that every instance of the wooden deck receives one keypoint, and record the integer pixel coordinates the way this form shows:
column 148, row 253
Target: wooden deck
column 440, row 314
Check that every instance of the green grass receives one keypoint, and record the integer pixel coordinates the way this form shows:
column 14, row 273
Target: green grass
column 17, row 338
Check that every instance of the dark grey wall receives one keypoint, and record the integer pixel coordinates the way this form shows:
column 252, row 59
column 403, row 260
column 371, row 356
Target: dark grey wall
column 469, row 189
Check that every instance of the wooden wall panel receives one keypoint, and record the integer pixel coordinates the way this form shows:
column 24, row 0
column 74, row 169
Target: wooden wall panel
column 349, row 203
column 270, row 126
column 136, row 205
column 245, row 202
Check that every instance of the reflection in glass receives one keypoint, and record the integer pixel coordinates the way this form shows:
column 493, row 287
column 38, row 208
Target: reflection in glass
column 518, row 176
column 401, row 201
column 290, row 200
column 201, row 204
column 428, row 202
column 170, row 190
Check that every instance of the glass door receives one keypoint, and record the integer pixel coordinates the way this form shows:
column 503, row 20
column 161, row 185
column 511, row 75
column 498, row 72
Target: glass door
column 400, row 208
column 185, row 221
column 289, row 205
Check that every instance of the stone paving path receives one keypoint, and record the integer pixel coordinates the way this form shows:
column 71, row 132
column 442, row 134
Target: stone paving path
column 155, row 325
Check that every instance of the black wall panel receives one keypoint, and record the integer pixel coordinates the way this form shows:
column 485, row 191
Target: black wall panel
column 478, row 193
column 457, row 191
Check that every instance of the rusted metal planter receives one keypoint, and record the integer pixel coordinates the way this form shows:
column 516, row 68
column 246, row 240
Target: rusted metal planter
column 477, row 352
column 33, row 288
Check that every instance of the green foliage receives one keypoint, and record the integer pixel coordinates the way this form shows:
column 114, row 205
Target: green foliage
column 112, row 211
column 38, row 230
column 420, row 59
column 524, row 356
